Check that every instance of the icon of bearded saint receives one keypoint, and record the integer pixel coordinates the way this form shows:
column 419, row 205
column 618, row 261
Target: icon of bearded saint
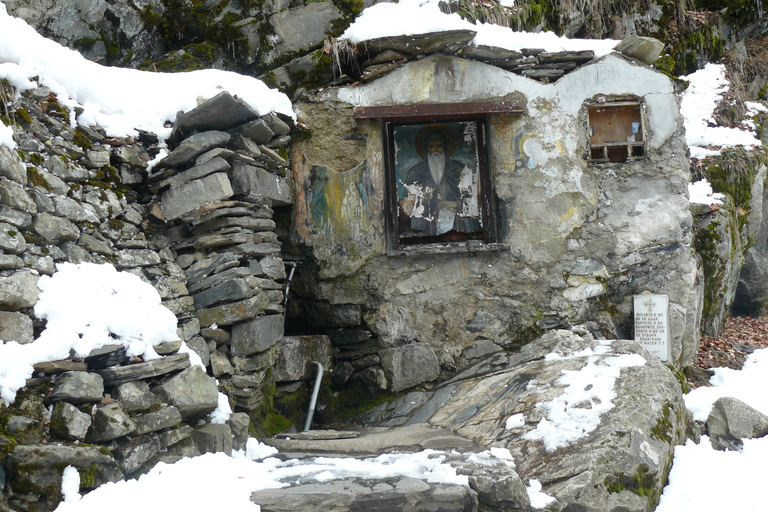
column 440, row 190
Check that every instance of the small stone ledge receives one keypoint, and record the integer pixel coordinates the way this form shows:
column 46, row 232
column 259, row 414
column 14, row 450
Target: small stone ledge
column 469, row 247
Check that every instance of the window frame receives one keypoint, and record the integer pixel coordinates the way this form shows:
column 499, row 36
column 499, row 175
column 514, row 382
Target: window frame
column 625, row 145
column 477, row 112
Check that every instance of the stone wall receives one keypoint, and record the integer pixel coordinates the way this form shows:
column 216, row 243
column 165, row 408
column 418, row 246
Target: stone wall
column 199, row 227
column 577, row 240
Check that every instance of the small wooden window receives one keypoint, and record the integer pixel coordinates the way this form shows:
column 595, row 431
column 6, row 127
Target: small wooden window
column 616, row 132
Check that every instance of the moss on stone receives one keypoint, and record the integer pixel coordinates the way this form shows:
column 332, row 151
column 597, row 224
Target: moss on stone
column 663, row 429
column 640, row 483
column 81, row 140
column 36, row 158
column 36, row 178
column 24, row 115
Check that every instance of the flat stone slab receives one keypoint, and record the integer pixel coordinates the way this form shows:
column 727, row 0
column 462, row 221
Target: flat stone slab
column 154, row 368
column 320, row 435
column 183, row 199
column 371, row 442
column 221, row 112
column 418, row 44
column 353, row 494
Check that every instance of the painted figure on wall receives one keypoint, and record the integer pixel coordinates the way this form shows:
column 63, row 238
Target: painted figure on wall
column 440, row 192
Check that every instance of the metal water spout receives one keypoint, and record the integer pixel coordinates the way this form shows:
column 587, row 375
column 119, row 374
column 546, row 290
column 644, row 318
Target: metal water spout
column 313, row 401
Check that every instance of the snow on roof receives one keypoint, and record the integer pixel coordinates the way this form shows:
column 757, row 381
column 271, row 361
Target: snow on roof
column 118, row 99
column 424, row 16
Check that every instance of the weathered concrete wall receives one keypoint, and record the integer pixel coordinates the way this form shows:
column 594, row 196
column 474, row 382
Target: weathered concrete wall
column 580, row 238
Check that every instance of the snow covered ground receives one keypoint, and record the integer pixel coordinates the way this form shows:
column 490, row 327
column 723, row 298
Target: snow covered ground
column 123, row 101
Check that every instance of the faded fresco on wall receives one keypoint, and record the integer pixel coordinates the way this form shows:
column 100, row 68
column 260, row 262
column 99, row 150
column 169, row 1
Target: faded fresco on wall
column 438, row 180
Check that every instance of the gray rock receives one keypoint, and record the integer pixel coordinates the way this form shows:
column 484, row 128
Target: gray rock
column 77, row 388
column 409, row 365
column 181, row 200
column 11, row 240
column 302, row 27
column 731, row 420
column 193, row 392
column 322, row 314
column 12, row 194
column 42, row 264
column 74, row 211
column 373, row 378
column 130, row 258
column 132, row 453
column 213, row 438
column 220, row 364
column 719, row 245
column 352, row 495
column 219, row 336
column 132, row 154
column 200, row 347
column 273, row 268
column 55, row 229
column 37, row 469
column 18, row 291
column 229, row 291
column 135, row 396
column 256, row 130
column 297, row 354
column 163, row 418
column 96, row 157
column 256, row 184
column 223, row 153
column 92, row 244
column 65, row 170
column 246, row 145
column 644, row 49
column 221, row 112
column 636, row 436
column 234, row 312
column 107, row 205
column 482, row 348
column 67, row 422
column 11, row 165
column 109, row 422
column 256, row 335
column 171, row 437
column 15, row 217
column 239, row 423
column 193, row 146
column 342, row 373
column 10, row 262
column 147, row 370
column 167, row 348
column 423, row 44
column 503, row 491
column 210, row 166
column 16, row 327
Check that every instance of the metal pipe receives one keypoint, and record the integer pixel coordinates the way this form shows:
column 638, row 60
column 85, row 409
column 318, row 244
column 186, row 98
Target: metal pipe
column 313, row 401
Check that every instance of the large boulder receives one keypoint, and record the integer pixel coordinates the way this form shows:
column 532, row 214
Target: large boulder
column 719, row 244
column 38, row 470
column 596, row 422
column 731, row 420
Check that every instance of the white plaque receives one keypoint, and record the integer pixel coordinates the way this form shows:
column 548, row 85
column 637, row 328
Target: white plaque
column 652, row 324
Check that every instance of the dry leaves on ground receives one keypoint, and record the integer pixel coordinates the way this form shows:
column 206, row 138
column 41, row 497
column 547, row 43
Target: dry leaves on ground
column 740, row 336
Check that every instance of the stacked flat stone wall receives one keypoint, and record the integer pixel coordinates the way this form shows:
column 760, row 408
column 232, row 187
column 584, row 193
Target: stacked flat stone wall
column 198, row 226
